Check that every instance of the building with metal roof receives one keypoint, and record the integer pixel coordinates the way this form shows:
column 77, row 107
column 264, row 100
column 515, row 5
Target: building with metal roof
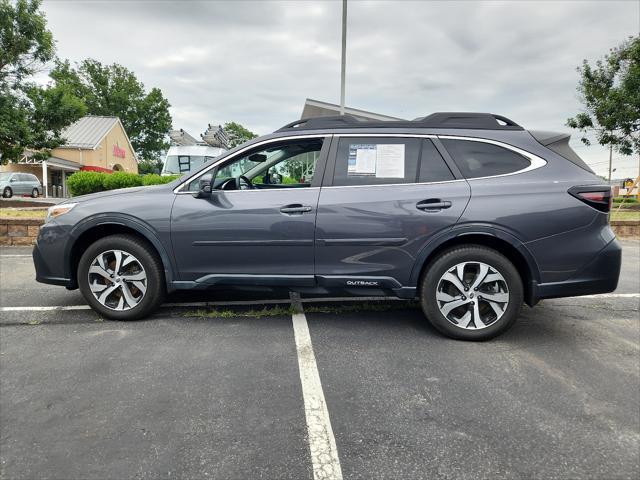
column 316, row 108
column 91, row 143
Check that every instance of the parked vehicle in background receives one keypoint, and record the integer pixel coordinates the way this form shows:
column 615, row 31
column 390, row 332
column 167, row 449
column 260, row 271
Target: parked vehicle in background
column 15, row 183
column 468, row 212
column 181, row 160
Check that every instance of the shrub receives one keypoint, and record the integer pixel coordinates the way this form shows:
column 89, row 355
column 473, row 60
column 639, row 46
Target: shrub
column 155, row 179
column 82, row 183
column 121, row 180
column 627, row 200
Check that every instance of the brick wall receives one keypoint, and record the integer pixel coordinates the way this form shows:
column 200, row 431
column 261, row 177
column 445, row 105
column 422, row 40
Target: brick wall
column 19, row 231
column 23, row 231
column 626, row 228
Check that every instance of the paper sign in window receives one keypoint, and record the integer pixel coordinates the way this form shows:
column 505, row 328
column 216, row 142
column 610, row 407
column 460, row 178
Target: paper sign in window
column 390, row 161
column 362, row 159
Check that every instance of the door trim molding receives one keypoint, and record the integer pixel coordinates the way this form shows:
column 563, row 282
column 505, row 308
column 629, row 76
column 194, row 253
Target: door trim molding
column 251, row 243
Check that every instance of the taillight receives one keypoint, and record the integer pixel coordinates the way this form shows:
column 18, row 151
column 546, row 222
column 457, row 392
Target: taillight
column 596, row 196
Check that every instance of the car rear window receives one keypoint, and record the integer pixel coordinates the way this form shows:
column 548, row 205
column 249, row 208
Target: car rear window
column 480, row 159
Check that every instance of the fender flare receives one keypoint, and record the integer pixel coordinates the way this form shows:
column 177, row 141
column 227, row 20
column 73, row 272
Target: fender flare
column 129, row 221
column 488, row 230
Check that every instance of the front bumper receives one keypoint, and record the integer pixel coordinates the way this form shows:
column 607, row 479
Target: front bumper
column 49, row 255
column 600, row 275
column 44, row 273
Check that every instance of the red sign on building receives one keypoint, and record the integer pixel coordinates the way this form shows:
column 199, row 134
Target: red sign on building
column 118, row 152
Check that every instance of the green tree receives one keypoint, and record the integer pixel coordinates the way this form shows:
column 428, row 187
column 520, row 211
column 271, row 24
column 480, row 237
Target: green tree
column 150, row 166
column 115, row 90
column 25, row 42
column 610, row 92
column 31, row 117
column 238, row 134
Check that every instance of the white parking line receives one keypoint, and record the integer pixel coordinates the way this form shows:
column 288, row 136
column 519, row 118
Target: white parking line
column 274, row 302
column 16, row 255
column 205, row 304
column 322, row 444
column 609, row 295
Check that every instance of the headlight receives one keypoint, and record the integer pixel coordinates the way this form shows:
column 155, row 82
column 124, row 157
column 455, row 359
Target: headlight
column 58, row 210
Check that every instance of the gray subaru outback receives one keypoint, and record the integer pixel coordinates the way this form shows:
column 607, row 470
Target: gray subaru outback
column 468, row 212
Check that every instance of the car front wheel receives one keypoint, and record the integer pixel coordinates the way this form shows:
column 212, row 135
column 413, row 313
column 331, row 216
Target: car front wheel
column 471, row 293
column 121, row 277
column 7, row 192
column 35, row 193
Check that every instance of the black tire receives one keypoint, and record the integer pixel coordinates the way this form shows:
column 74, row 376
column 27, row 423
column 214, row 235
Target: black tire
column 35, row 193
column 148, row 258
column 7, row 192
column 470, row 253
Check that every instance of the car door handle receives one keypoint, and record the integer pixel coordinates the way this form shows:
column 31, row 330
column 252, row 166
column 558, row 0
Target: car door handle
column 295, row 208
column 433, row 204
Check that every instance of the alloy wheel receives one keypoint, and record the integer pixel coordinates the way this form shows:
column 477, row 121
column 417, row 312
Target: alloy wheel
column 472, row 295
column 117, row 280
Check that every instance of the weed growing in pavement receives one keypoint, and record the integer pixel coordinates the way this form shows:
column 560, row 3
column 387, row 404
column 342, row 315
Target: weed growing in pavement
column 279, row 311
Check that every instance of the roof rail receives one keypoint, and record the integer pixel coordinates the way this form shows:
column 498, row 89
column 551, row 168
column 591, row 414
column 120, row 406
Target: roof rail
column 335, row 121
column 452, row 120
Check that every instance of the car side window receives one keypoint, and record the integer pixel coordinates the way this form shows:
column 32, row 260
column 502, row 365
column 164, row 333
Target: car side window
column 433, row 168
column 481, row 159
column 289, row 164
column 376, row 161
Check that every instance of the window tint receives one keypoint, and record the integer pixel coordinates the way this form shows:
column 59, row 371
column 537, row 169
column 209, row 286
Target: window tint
column 376, row 161
column 480, row 159
column 432, row 166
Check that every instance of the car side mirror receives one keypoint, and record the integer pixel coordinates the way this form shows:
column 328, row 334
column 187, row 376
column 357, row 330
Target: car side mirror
column 275, row 178
column 12, row 180
column 204, row 189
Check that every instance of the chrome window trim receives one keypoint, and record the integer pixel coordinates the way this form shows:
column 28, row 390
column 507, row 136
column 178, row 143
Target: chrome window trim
column 256, row 190
column 178, row 189
column 396, row 184
column 534, row 160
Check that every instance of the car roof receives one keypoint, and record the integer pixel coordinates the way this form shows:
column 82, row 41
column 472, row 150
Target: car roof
column 445, row 120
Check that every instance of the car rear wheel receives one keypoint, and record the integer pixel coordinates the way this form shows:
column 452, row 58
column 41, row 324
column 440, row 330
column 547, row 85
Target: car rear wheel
column 35, row 193
column 7, row 192
column 121, row 277
column 471, row 293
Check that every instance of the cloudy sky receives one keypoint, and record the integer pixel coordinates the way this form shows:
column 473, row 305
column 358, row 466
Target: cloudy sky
column 255, row 62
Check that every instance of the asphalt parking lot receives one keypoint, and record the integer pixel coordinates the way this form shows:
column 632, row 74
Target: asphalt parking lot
column 227, row 391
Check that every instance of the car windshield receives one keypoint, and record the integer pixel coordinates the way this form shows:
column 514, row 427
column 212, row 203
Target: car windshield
column 4, row 176
column 179, row 164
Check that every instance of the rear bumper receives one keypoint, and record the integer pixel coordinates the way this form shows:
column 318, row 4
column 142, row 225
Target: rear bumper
column 600, row 275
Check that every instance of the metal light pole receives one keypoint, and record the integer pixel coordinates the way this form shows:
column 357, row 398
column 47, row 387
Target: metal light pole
column 344, row 55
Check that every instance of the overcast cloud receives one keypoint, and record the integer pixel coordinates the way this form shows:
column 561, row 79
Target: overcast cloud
column 256, row 62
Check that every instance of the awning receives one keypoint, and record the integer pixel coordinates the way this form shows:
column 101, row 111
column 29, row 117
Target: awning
column 63, row 164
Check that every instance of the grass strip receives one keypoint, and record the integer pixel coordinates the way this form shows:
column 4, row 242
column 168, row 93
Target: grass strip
column 276, row 311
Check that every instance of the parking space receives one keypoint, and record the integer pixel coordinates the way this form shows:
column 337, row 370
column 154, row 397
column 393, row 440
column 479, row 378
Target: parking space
column 222, row 391
column 168, row 397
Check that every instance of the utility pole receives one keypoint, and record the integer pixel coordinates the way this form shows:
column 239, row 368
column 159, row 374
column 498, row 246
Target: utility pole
column 344, row 55
column 610, row 161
